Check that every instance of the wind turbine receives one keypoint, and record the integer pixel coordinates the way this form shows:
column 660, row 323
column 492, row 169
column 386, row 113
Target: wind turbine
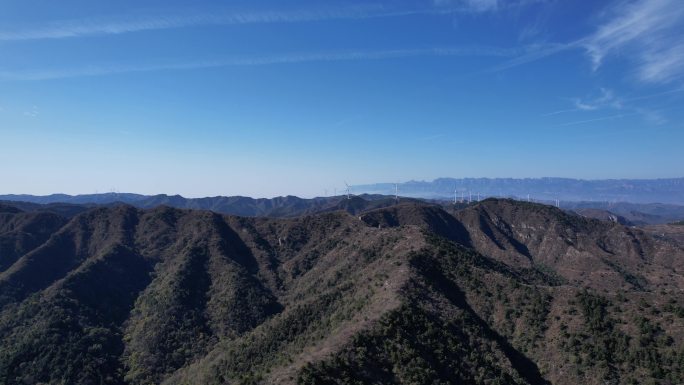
column 396, row 192
column 348, row 190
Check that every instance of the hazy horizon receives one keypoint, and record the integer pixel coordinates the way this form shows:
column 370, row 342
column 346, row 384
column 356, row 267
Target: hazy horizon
column 376, row 188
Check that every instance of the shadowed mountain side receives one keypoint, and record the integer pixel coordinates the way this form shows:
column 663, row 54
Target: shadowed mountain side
column 203, row 291
column 582, row 250
column 70, row 206
column 428, row 217
column 22, row 232
column 434, row 336
column 279, row 207
column 498, row 292
column 67, row 210
column 9, row 209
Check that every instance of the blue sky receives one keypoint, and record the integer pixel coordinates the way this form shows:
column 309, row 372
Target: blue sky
column 263, row 98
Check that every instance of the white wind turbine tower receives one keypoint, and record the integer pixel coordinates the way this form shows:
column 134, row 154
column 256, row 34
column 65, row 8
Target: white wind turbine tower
column 455, row 191
column 348, row 190
column 396, row 192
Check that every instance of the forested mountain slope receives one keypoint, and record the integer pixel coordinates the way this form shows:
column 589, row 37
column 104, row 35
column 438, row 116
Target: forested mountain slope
column 501, row 292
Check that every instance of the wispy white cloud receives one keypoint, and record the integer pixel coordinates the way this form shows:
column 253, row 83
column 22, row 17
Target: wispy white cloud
column 558, row 112
column 662, row 64
column 646, row 31
column 480, row 6
column 599, row 119
column 128, row 24
column 605, row 100
column 671, row 92
column 608, row 101
column 652, row 117
column 530, row 32
column 290, row 58
column 471, row 5
column 433, row 137
column 534, row 53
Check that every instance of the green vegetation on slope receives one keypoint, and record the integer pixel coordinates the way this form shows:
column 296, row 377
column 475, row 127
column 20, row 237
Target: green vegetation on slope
column 435, row 338
column 427, row 343
column 397, row 296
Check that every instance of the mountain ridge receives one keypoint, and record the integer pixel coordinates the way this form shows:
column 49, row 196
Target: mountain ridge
column 501, row 290
column 288, row 206
column 640, row 211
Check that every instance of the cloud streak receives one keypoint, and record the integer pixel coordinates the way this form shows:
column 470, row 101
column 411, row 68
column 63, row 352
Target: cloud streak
column 609, row 101
column 90, row 27
column 472, row 5
column 482, row 6
column 610, row 117
column 645, row 32
column 130, row 24
column 290, row 58
column 535, row 53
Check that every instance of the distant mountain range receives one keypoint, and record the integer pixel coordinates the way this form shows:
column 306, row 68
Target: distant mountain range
column 279, row 207
column 540, row 189
column 235, row 205
column 292, row 206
